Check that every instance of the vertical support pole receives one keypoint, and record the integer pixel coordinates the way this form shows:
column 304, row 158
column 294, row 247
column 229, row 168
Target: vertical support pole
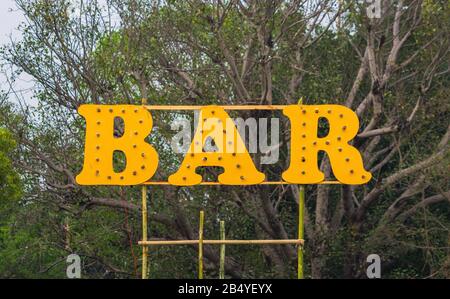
column 144, row 225
column 144, row 233
column 200, row 246
column 222, row 251
column 301, row 215
column 67, row 233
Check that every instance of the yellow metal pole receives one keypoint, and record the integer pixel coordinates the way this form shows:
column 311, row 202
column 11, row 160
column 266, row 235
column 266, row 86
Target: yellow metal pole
column 222, row 251
column 144, row 233
column 301, row 215
column 219, row 242
column 226, row 107
column 200, row 246
column 144, row 225
column 162, row 183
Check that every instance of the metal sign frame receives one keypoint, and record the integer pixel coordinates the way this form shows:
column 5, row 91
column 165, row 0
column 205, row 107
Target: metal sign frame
column 299, row 242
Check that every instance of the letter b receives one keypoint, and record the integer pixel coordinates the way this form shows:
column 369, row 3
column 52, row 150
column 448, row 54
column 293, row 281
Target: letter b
column 141, row 157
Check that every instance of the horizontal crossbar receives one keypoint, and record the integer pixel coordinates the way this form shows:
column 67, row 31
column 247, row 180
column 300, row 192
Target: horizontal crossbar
column 226, row 107
column 263, row 183
column 220, row 242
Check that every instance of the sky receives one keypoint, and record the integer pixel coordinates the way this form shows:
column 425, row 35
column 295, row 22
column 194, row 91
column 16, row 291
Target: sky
column 10, row 19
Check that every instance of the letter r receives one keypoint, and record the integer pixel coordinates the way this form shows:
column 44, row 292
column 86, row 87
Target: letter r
column 345, row 159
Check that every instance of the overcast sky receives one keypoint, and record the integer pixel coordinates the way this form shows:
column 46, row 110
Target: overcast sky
column 10, row 18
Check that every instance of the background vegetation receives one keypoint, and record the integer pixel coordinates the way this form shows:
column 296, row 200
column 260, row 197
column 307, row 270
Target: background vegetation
column 393, row 71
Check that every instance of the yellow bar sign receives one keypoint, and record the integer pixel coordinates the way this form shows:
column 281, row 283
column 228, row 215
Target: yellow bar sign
column 231, row 153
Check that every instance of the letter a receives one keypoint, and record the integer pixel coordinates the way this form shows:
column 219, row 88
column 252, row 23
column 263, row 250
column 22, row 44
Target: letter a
column 345, row 160
column 141, row 157
column 231, row 153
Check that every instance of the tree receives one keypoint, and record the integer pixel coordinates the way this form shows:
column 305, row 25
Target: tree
column 11, row 190
column 393, row 71
column 9, row 180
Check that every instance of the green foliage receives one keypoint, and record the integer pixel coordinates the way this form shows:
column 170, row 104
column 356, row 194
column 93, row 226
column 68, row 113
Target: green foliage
column 9, row 179
column 45, row 218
